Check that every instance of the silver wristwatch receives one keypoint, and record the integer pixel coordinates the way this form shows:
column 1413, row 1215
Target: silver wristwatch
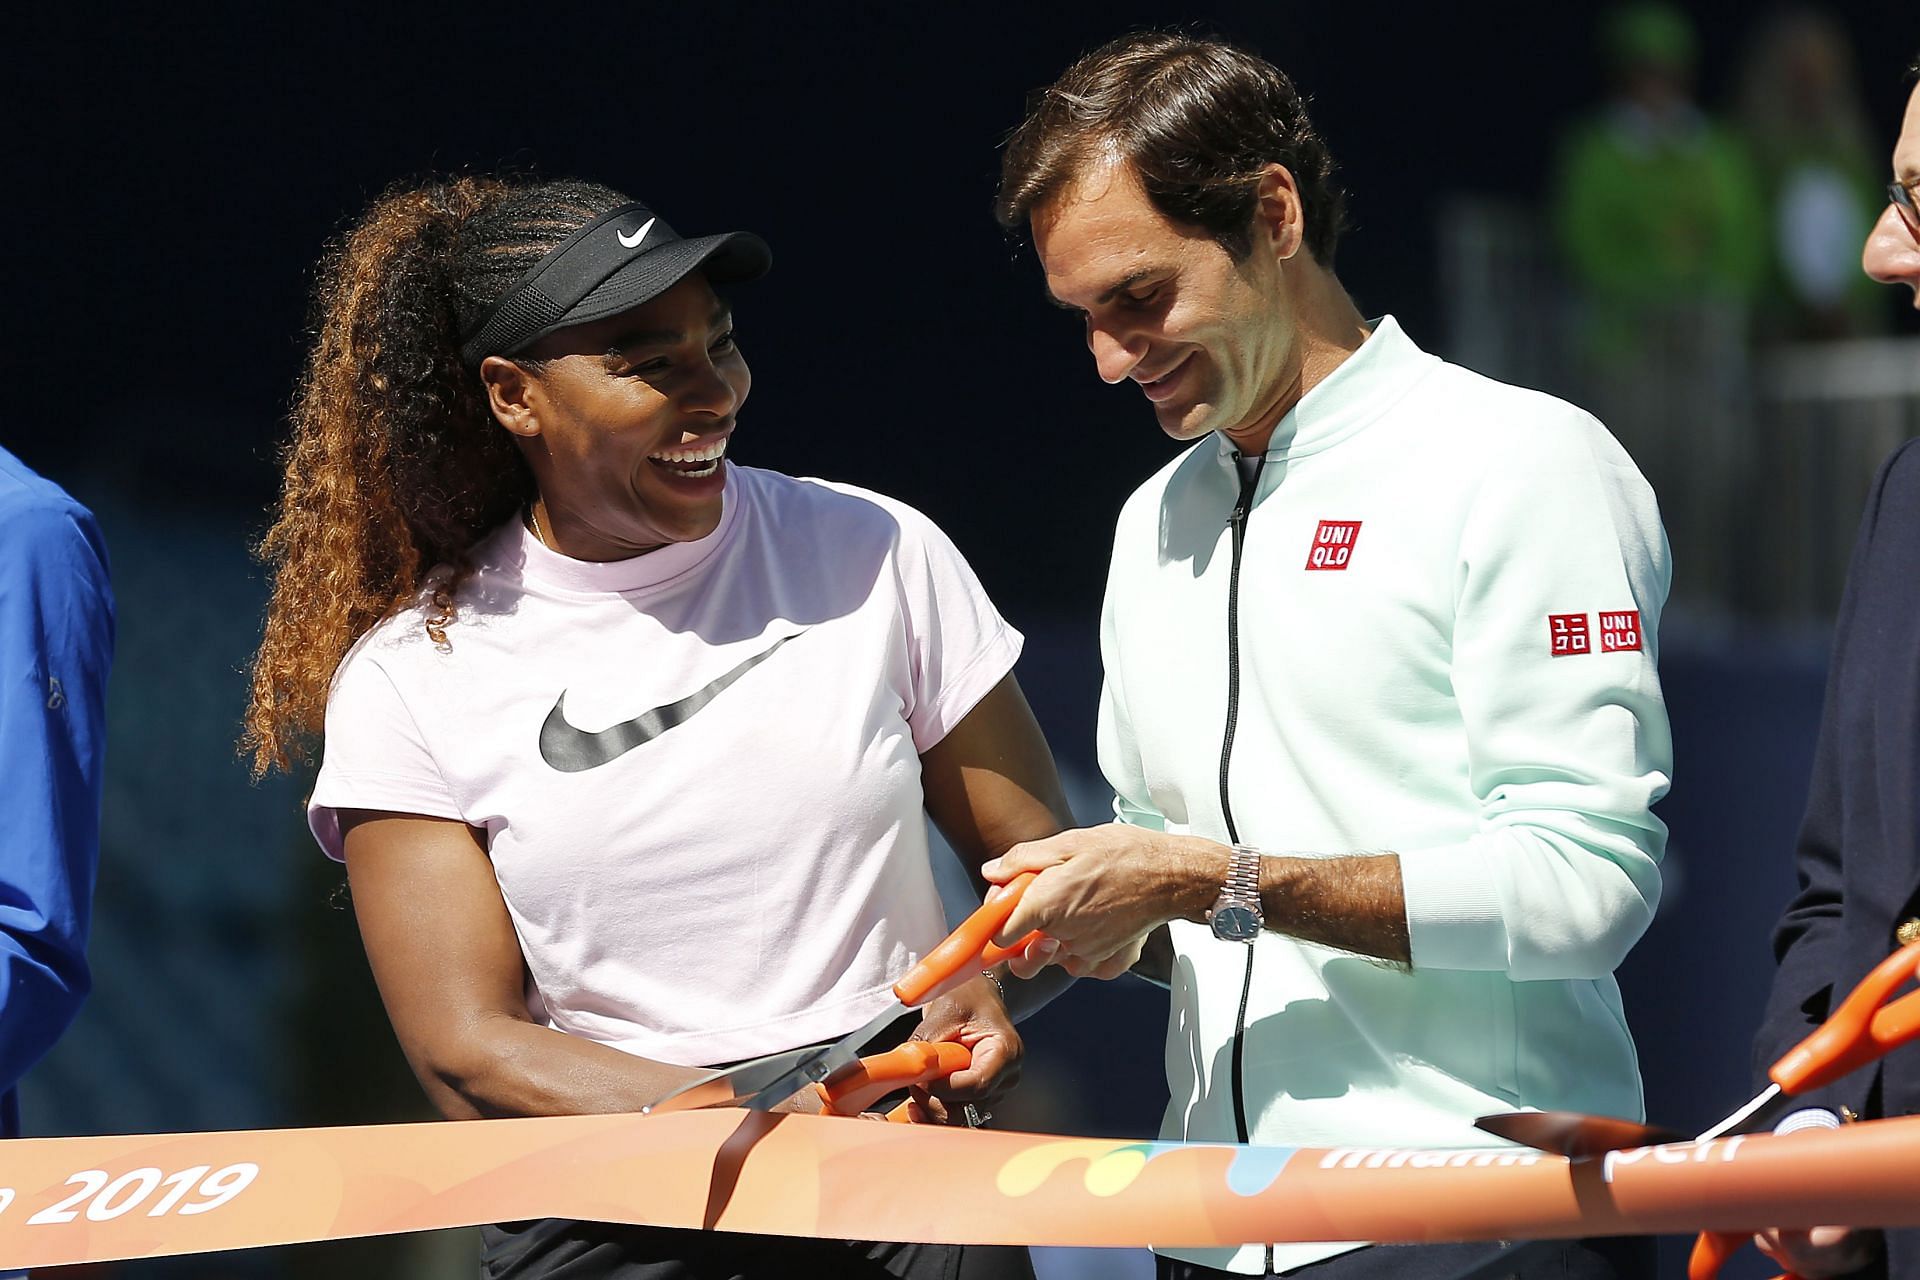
column 1236, row 915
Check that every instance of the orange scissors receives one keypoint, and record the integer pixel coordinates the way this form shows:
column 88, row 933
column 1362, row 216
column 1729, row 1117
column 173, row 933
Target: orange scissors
column 846, row 1082
column 1868, row 1024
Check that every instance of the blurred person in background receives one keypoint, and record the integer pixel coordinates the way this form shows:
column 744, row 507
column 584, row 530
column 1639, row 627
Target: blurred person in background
column 628, row 749
column 56, row 646
column 1858, row 855
column 1800, row 116
column 1661, row 223
column 1380, row 710
column 1656, row 205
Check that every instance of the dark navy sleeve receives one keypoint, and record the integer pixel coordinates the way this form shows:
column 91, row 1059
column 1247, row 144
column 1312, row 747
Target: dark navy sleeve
column 56, row 644
column 1815, row 939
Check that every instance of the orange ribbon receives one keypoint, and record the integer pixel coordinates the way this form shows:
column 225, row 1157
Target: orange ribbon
column 72, row 1200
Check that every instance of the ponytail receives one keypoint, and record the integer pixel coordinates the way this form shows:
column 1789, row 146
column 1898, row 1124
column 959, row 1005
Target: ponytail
column 395, row 464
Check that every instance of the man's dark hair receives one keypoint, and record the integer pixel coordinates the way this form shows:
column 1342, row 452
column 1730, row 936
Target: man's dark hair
column 1196, row 118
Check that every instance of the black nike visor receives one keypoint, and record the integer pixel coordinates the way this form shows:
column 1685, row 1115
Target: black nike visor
column 619, row 260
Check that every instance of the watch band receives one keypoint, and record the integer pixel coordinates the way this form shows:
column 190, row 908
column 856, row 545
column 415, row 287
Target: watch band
column 1243, row 877
column 1237, row 915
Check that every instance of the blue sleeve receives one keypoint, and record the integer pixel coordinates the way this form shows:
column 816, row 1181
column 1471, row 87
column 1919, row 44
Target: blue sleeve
column 56, row 644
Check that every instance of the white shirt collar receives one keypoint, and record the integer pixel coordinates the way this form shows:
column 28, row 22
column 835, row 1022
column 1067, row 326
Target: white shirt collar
column 516, row 550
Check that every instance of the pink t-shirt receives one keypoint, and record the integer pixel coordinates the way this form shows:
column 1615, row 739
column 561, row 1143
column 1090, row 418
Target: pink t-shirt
column 697, row 771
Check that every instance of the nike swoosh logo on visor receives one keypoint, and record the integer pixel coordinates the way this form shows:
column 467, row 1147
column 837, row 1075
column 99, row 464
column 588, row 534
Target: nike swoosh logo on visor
column 638, row 236
column 572, row 750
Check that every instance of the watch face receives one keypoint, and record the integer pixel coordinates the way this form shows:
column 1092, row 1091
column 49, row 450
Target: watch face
column 1236, row 924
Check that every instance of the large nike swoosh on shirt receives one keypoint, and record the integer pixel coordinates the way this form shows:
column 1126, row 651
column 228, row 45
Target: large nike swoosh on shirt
column 572, row 750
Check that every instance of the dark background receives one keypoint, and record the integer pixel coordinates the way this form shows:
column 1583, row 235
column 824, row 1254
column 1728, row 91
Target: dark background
column 186, row 167
column 176, row 173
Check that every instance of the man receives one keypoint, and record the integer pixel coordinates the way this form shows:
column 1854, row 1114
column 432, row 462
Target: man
column 1858, row 855
column 1662, row 225
column 1655, row 204
column 1380, row 709
column 56, row 643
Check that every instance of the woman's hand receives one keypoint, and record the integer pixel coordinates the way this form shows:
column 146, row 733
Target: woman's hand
column 974, row 1016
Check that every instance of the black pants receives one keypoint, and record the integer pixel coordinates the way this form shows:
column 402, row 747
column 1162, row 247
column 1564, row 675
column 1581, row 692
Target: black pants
column 556, row 1249
column 1601, row 1258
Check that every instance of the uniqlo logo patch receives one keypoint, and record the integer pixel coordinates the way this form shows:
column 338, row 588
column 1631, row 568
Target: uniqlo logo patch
column 1567, row 633
column 1620, row 632
column 1333, row 544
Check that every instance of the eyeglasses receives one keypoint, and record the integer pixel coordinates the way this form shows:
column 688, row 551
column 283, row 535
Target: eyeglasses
column 1900, row 195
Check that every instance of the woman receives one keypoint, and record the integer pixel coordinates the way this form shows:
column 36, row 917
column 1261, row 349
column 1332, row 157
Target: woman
column 627, row 747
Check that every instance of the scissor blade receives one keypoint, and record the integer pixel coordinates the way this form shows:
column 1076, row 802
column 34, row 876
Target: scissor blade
column 1745, row 1118
column 823, row 1062
column 1572, row 1134
column 719, row 1088
column 812, row 1071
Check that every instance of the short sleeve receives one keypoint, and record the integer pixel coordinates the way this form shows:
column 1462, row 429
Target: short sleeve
column 958, row 645
column 375, row 756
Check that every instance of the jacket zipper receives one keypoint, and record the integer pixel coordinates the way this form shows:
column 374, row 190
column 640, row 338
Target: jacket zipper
column 1249, row 485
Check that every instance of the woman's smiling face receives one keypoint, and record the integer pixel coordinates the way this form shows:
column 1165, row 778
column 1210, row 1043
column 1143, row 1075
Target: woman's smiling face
column 625, row 422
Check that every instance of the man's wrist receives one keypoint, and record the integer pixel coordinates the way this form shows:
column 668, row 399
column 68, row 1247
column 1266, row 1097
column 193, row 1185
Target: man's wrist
column 1200, row 868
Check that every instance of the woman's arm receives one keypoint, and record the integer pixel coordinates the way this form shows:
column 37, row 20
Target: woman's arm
column 449, row 968
column 990, row 783
column 448, row 963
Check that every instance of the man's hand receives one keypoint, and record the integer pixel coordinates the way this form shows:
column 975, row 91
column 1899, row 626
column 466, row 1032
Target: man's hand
column 1039, row 955
column 1101, row 891
column 1821, row 1253
column 971, row 1015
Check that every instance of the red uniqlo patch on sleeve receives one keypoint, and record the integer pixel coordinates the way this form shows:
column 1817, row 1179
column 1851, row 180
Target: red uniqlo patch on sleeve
column 1333, row 544
column 1567, row 633
column 1620, row 632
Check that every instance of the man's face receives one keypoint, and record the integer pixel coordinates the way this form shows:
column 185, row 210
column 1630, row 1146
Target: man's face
column 1892, row 255
column 1210, row 341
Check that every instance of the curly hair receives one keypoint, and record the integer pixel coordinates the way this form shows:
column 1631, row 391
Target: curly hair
column 395, row 466
column 1196, row 118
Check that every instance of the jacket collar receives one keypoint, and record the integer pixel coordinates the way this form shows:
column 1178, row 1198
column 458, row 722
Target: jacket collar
column 1358, row 393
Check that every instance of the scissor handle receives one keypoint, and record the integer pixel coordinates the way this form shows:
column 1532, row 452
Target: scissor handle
column 967, row 949
column 861, row 1083
column 991, row 955
column 1898, row 1023
column 1867, row 1024
column 1711, row 1249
